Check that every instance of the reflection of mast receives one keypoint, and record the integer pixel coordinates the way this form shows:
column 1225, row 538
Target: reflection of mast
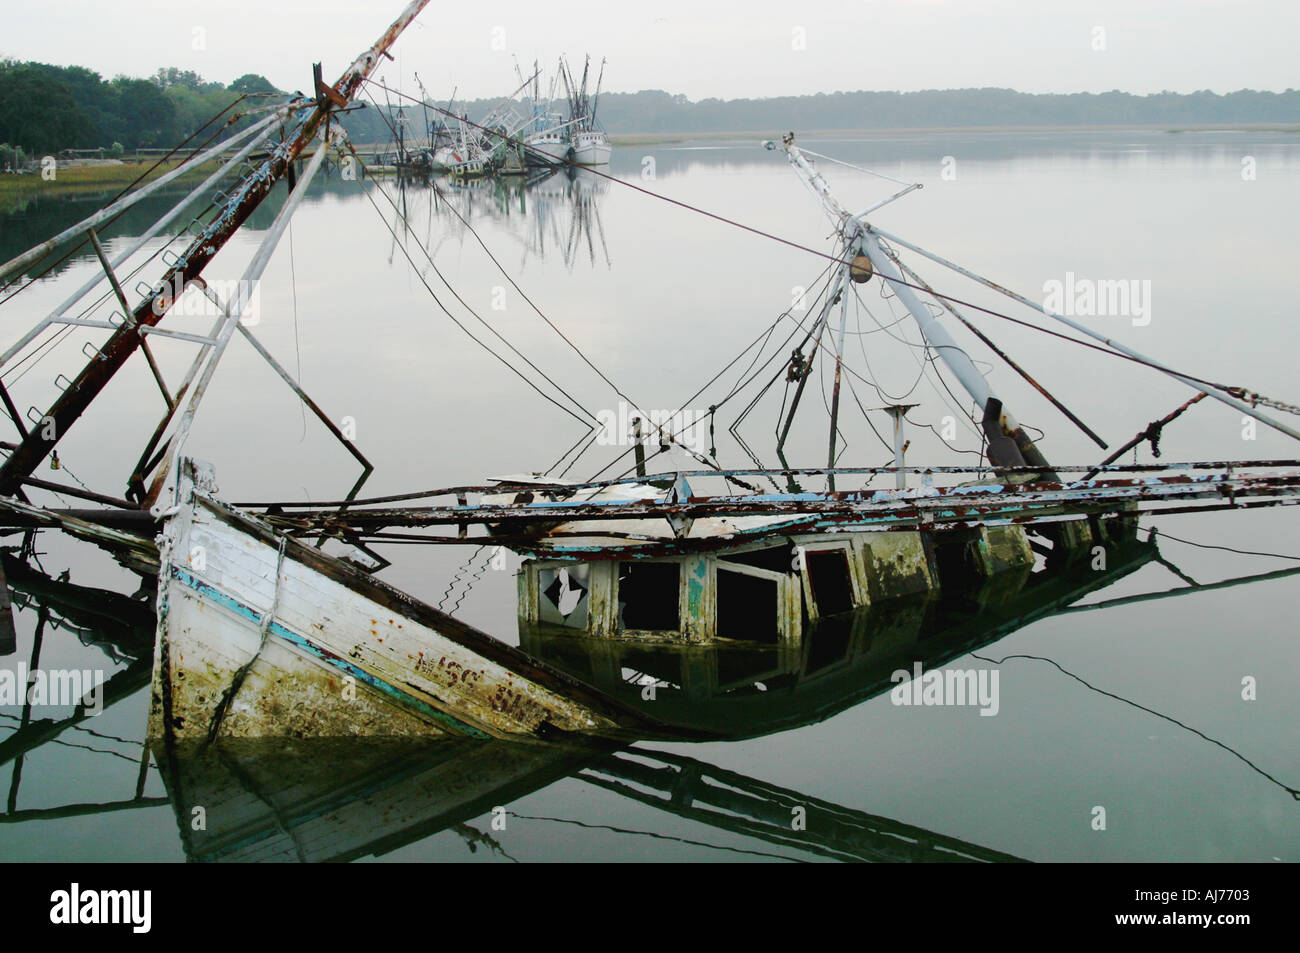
column 534, row 199
column 121, row 626
column 733, row 802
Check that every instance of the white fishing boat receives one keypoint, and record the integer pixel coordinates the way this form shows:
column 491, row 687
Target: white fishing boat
column 546, row 139
column 549, row 147
column 590, row 144
column 591, row 147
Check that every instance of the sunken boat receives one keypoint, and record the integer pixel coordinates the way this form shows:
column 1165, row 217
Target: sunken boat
column 261, row 634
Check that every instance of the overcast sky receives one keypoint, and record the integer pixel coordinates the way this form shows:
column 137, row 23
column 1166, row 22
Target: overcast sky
column 701, row 49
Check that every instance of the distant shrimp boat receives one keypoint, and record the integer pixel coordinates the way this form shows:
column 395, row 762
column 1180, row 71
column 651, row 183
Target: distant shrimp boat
column 551, row 147
column 591, row 147
column 590, row 144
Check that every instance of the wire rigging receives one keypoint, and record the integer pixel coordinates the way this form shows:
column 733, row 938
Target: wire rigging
column 834, row 258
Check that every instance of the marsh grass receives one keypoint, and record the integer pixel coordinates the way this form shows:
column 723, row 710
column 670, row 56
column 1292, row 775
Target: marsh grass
column 83, row 181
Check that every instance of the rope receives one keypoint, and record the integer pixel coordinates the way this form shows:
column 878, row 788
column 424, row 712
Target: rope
column 1161, row 534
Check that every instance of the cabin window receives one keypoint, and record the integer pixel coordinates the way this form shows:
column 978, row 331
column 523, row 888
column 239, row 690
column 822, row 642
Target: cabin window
column 648, row 596
column 748, row 607
column 955, row 558
column 830, row 580
column 563, row 596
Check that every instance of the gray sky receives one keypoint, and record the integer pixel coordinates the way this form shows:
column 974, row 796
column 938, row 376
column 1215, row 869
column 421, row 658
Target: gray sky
column 698, row 48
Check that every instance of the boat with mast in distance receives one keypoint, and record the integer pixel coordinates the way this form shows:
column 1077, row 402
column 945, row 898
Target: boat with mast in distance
column 590, row 144
column 546, row 137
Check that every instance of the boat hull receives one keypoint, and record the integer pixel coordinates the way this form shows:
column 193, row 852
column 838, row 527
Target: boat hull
column 446, row 158
column 594, row 152
column 262, row 636
column 548, row 153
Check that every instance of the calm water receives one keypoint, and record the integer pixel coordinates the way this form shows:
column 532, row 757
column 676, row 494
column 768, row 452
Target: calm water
column 1152, row 726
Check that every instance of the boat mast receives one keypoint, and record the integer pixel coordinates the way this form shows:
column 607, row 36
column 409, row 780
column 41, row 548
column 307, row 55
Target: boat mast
column 859, row 240
column 595, row 100
column 37, row 444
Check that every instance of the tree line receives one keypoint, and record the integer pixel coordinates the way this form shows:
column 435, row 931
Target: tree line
column 655, row 111
column 658, row 111
column 45, row 108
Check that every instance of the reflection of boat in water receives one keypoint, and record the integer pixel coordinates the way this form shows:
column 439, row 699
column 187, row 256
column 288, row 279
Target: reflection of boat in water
column 559, row 209
column 751, row 640
column 277, row 800
column 340, row 799
column 123, row 626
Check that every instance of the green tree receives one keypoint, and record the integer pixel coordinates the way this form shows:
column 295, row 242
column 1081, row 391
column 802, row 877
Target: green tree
column 39, row 111
column 252, row 83
column 11, row 157
column 148, row 116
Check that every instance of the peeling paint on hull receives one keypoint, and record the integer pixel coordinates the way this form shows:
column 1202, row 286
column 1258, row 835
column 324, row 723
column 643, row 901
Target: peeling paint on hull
column 315, row 648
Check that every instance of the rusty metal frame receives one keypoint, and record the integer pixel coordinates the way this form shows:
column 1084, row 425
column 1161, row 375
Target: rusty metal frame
column 72, row 403
column 830, row 512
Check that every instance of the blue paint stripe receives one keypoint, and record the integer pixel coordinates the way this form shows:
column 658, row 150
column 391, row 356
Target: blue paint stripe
column 230, row 602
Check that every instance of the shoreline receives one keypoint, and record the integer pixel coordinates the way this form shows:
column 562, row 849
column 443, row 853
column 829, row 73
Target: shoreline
column 85, row 180
column 658, row 138
column 16, row 191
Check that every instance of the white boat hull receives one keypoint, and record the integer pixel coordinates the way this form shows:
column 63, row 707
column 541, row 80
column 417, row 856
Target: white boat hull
column 308, row 646
column 549, row 152
column 593, row 152
column 446, row 158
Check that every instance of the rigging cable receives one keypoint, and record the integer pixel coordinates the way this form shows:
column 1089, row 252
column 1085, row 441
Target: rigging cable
column 479, row 318
column 137, row 181
column 1161, row 534
column 461, row 325
column 834, row 258
column 1151, row 711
